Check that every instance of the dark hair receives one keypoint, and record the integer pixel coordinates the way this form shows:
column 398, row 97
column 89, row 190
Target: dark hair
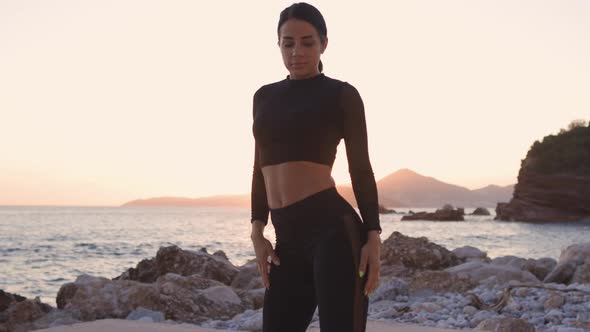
column 306, row 12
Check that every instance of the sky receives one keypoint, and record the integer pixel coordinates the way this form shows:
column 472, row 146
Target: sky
column 103, row 102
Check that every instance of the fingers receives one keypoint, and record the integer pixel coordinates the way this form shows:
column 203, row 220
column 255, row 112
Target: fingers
column 363, row 264
column 264, row 271
column 373, row 278
column 273, row 256
column 264, row 255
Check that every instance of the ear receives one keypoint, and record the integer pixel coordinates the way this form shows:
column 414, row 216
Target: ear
column 324, row 46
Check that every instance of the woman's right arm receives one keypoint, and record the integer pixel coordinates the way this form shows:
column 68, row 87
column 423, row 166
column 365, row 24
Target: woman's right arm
column 259, row 216
column 259, row 219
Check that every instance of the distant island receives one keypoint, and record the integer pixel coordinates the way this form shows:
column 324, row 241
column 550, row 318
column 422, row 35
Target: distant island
column 403, row 188
column 217, row 200
column 554, row 179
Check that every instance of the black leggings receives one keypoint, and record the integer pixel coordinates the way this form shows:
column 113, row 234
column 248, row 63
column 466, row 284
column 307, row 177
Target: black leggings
column 318, row 241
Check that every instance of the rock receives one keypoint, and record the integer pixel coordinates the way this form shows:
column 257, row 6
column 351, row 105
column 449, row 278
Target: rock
column 98, row 297
column 173, row 259
column 396, row 270
column 582, row 274
column 193, row 299
column 578, row 253
column 6, row 299
column 253, row 323
column 389, row 289
column 553, row 181
column 523, row 292
column 554, row 315
column 554, row 301
column 480, row 271
column 248, row 277
column 480, row 316
column 573, row 257
column 426, row 306
column 387, row 313
column 220, row 302
column 540, row 267
column 190, row 299
column 56, row 318
column 570, row 329
column 506, row 324
column 583, row 325
column 425, row 282
column 221, row 294
column 512, row 261
column 416, row 253
column 444, row 214
column 562, row 274
column 221, row 254
column 468, row 253
column 21, row 314
column 141, row 312
column 469, row 310
column 480, row 211
column 547, row 198
column 384, row 210
column 252, row 298
column 145, row 271
column 65, row 293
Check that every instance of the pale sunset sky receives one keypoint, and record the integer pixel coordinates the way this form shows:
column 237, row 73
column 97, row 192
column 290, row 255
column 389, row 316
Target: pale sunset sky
column 103, row 102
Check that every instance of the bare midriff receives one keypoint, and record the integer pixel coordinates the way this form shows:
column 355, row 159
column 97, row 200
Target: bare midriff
column 289, row 182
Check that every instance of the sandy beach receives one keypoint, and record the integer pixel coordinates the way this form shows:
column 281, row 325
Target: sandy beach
column 115, row 325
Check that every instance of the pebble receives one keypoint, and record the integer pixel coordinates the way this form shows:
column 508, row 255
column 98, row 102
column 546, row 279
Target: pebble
column 452, row 310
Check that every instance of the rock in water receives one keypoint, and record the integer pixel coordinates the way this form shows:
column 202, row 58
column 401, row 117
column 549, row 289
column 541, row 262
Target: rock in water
column 480, row 211
column 446, row 213
column 384, row 210
column 553, row 181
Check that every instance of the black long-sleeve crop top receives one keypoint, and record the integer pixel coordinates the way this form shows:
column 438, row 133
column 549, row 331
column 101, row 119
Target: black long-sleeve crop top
column 305, row 119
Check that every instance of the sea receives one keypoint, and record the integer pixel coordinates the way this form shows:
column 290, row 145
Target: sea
column 41, row 248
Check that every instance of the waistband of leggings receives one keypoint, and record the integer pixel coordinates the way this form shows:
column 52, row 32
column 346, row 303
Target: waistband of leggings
column 321, row 200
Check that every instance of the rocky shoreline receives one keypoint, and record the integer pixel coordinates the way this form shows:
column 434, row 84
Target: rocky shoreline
column 422, row 283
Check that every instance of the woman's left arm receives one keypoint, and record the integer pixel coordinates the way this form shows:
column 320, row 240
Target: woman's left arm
column 363, row 181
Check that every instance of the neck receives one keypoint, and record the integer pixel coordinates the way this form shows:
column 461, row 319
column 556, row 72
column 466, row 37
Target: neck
column 303, row 76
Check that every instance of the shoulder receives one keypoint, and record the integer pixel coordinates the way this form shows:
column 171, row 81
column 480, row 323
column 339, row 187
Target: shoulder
column 348, row 93
column 345, row 87
column 267, row 88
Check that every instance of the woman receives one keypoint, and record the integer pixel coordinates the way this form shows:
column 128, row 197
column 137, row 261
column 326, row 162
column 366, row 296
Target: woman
column 325, row 255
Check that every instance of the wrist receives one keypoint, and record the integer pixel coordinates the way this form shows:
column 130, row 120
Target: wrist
column 257, row 230
column 255, row 235
column 373, row 235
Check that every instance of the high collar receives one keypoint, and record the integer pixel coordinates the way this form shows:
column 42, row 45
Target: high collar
column 304, row 81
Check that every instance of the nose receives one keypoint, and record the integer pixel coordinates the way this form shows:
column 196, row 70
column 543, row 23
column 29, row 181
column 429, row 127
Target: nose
column 296, row 49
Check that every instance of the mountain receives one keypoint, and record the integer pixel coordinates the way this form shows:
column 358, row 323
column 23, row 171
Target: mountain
column 404, row 188
column 408, row 188
column 219, row 200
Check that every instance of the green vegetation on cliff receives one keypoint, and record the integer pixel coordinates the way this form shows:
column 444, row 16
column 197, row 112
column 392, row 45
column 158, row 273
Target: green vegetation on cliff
column 565, row 153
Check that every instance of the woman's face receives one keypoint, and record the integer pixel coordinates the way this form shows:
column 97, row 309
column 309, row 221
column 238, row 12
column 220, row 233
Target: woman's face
column 301, row 48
